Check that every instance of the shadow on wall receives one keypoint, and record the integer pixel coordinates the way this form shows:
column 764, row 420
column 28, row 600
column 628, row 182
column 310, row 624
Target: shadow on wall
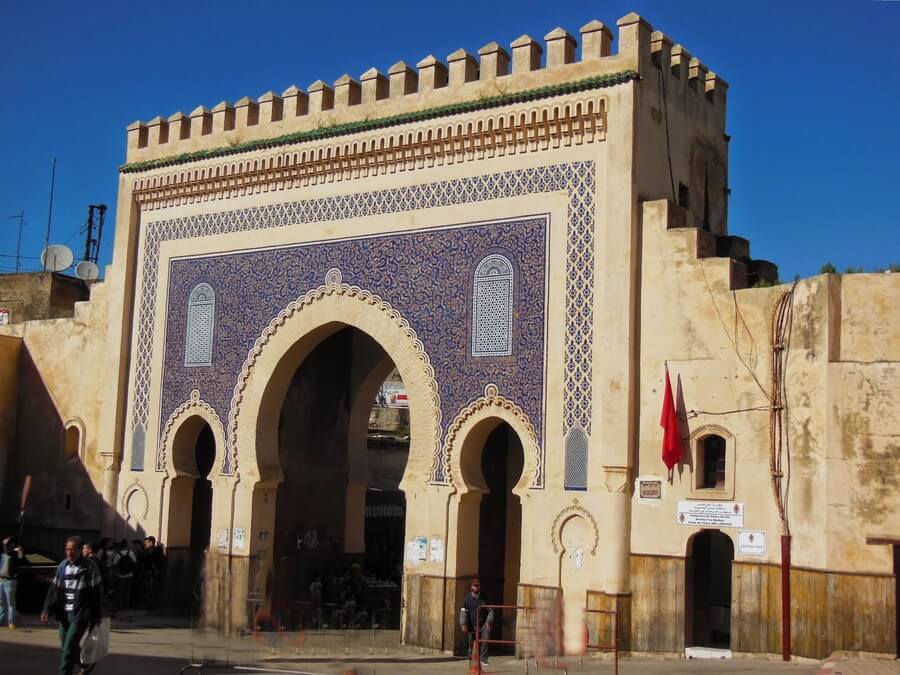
column 63, row 500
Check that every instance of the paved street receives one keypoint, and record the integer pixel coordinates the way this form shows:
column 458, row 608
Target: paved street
column 145, row 646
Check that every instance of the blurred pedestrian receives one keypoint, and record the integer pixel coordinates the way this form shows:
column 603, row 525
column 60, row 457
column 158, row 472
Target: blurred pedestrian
column 124, row 566
column 74, row 599
column 153, row 564
column 11, row 555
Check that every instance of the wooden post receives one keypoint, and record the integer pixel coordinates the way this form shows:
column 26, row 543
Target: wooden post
column 896, row 548
column 786, row 597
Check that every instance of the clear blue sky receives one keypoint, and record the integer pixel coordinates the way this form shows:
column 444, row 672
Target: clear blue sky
column 813, row 109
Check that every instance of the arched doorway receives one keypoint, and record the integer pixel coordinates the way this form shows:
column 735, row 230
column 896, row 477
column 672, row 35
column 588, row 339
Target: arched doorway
column 500, row 522
column 340, row 513
column 254, row 452
column 708, row 590
column 187, row 534
column 489, row 515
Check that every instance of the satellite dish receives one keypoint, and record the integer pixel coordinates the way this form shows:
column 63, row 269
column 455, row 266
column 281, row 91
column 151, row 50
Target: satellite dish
column 87, row 270
column 57, row 257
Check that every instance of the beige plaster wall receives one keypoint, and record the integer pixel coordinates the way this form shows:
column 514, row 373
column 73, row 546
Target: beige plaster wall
column 870, row 319
column 68, row 354
column 842, row 417
column 10, row 350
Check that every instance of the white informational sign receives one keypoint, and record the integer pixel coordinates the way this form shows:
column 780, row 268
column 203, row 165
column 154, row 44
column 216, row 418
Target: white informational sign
column 710, row 514
column 392, row 395
column 222, row 540
column 752, row 542
column 436, row 550
column 417, row 550
column 4, row 316
column 239, row 539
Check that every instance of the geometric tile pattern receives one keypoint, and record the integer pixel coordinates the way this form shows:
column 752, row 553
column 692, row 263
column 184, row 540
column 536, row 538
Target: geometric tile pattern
column 575, row 178
column 492, row 307
column 422, row 274
column 576, row 460
column 201, row 321
column 579, row 303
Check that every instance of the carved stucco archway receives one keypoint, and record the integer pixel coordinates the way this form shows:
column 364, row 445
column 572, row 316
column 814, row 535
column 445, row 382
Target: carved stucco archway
column 463, row 447
column 191, row 412
column 284, row 344
column 177, row 459
column 470, row 428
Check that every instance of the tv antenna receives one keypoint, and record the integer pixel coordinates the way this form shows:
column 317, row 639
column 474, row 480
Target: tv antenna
column 21, row 216
column 50, row 211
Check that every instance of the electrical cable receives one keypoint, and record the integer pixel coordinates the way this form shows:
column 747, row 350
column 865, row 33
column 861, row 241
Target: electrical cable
column 731, row 339
column 779, row 443
column 691, row 414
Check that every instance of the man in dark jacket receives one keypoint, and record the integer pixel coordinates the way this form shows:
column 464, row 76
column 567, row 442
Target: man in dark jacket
column 470, row 615
column 74, row 599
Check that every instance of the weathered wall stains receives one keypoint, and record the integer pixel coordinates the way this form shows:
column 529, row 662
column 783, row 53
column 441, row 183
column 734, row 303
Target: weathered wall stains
column 870, row 440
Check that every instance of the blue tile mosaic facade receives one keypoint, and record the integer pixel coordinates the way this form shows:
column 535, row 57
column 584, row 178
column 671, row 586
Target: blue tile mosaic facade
column 576, row 179
column 423, row 275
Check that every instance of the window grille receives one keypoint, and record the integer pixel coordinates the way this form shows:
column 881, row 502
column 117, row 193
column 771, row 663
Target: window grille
column 492, row 307
column 576, row 460
column 201, row 320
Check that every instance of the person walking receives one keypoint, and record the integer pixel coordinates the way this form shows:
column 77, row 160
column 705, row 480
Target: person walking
column 123, row 567
column 74, row 599
column 11, row 556
column 153, row 567
column 469, row 616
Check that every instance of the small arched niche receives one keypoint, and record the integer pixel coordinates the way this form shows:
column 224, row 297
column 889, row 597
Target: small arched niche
column 73, row 441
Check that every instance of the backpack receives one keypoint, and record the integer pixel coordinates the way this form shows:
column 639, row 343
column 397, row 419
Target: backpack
column 125, row 565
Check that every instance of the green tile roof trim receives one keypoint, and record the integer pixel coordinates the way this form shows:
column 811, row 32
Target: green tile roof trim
column 596, row 82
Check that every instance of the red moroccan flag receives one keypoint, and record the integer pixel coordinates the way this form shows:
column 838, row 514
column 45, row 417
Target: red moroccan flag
column 668, row 420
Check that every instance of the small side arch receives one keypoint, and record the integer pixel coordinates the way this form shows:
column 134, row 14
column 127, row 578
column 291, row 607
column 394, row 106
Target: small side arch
column 73, row 440
column 180, row 433
column 469, row 430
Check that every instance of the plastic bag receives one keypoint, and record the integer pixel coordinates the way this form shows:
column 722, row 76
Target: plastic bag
column 95, row 643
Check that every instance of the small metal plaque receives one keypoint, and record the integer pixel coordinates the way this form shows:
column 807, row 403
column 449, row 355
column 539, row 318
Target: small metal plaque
column 650, row 489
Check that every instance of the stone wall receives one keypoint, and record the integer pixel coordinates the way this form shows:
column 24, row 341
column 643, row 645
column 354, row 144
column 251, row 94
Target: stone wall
column 41, row 295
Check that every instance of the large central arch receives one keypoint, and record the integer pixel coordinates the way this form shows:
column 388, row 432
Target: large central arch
column 289, row 338
column 251, row 467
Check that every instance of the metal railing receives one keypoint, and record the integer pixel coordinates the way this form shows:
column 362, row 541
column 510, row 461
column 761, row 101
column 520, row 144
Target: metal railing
column 614, row 647
column 476, row 652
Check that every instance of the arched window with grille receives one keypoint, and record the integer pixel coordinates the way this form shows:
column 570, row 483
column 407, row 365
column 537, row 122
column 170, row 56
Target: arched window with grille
column 492, row 307
column 201, row 321
column 576, row 460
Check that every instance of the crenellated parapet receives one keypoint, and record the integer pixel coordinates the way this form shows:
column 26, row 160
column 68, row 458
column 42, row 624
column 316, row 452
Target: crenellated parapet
column 677, row 62
column 528, row 67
